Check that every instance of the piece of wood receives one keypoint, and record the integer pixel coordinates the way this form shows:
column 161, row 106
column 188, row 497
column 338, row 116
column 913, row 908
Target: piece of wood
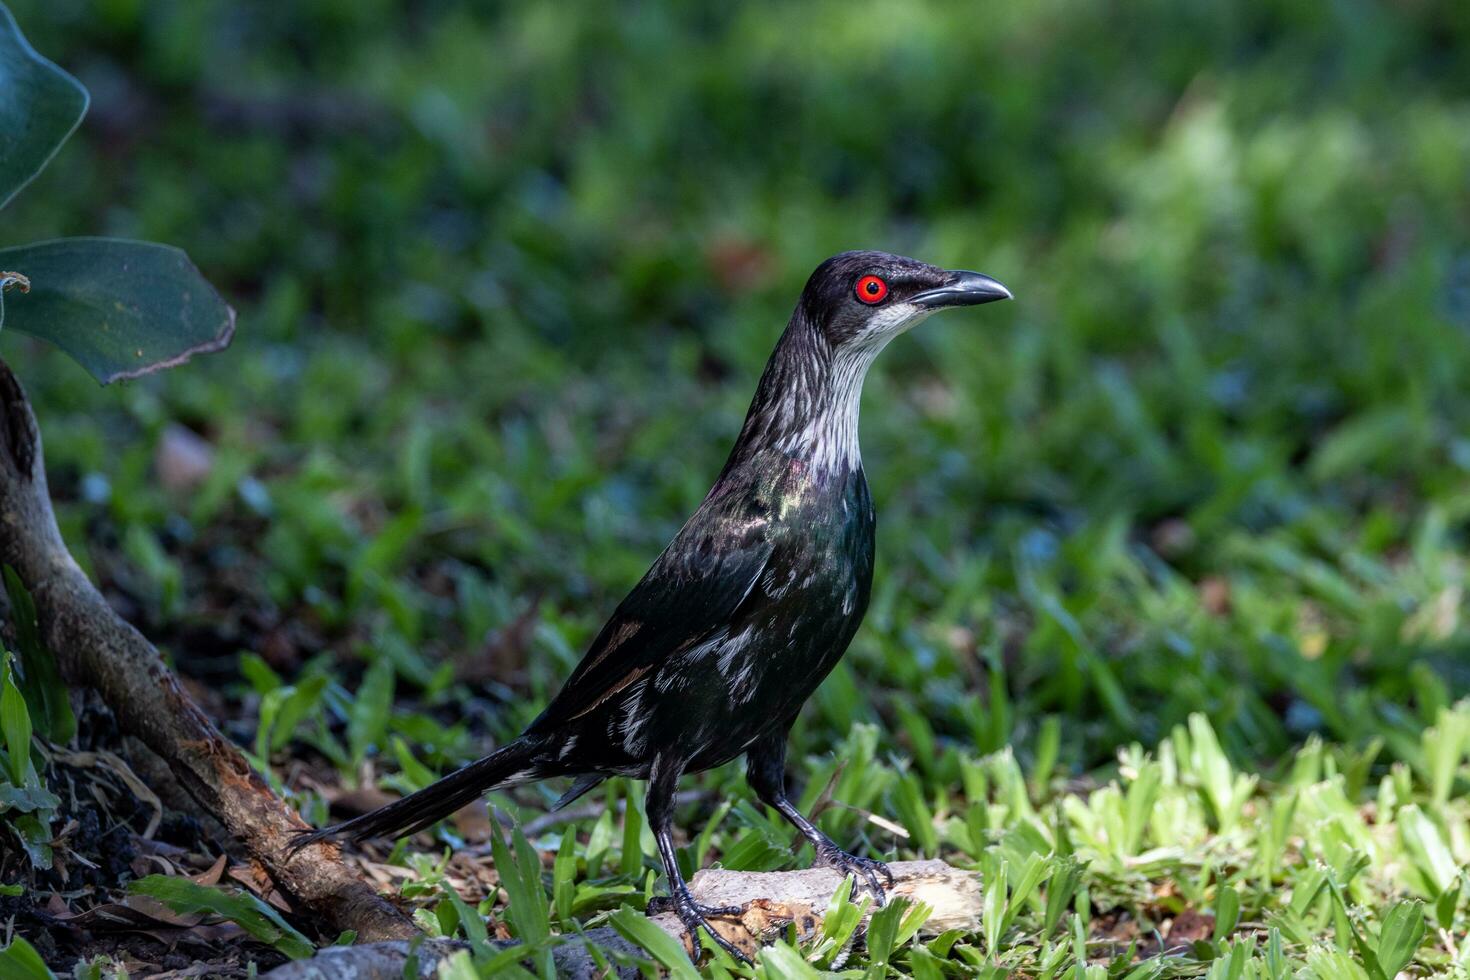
column 95, row 648
column 769, row 901
column 773, row 900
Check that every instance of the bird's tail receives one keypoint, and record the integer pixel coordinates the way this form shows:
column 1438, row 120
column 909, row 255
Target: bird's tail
column 509, row 765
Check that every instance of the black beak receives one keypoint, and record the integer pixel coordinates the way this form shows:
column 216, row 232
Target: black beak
column 963, row 289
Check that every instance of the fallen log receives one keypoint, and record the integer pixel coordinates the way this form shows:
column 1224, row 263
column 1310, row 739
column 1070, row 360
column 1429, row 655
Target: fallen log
column 769, row 901
column 95, row 648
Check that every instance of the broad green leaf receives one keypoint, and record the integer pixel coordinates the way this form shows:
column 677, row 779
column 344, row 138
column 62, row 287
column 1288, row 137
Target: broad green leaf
column 265, row 725
column 1275, row 955
column 473, row 925
column 44, row 690
column 537, row 912
column 632, row 855
column 842, row 919
column 1448, row 901
column 259, row 673
column 996, row 905
column 19, row 960
column 755, row 850
column 883, row 930
column 34, row 832
column 599, row 842
column 300, row 702
column 914, row 917
column 122, row 309
column 15, row 723
column 782, row 962
column 1048, row 746
column 27, row 799
column 908, row 797
column 376, row 559
column 519, row 868
column 1427, row 847
column 411, row 770
column 1403, row 930
column 1445, row 745
column 507, row 962
column 1031, row 875
column 1079, row 941
column 924, row 965
column 640, row 930
column 1059, row 891
column 1227, row 911
column 245, row 910
column 564, row 876
column 458, row 966
column 1359, row 442
column 40, row 105
column 368, row 722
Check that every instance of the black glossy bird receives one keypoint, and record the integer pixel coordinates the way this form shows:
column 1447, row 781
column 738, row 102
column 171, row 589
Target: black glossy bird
column 750, row 606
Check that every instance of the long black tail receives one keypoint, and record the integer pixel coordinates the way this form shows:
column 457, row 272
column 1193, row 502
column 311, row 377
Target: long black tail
column 509, row 765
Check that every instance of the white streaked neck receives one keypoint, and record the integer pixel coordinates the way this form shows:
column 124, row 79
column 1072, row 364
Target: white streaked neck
column 825, row 433
column 808, row 399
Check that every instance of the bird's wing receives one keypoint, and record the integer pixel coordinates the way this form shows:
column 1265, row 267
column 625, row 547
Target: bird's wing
column 688, row 595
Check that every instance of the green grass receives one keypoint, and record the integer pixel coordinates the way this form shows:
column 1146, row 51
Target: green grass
column 1314, row 870
column 506, row 280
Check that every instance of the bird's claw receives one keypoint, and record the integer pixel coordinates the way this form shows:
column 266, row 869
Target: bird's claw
column 867, row 873
column 694, row 915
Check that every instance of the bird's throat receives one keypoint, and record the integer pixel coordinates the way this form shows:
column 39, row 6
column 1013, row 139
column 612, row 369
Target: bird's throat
column 806, row 405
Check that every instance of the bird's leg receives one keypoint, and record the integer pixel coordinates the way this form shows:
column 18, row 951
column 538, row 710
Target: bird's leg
column 663, row 781
column 765, row 770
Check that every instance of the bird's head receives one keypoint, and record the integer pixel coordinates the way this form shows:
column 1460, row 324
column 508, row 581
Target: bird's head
column 806, row 405
column 862, row 300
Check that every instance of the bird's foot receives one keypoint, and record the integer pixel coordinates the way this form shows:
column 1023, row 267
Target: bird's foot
column 869, row 874
column 659, row 904
column 694, row 915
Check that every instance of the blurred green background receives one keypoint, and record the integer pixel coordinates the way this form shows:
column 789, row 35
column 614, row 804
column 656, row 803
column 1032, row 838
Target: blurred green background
column 506, row 275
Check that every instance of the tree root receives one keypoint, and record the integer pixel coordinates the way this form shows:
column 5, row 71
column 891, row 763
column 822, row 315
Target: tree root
column 96, row 648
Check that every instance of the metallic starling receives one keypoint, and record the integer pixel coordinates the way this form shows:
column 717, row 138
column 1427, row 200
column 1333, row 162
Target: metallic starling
column 750, row 606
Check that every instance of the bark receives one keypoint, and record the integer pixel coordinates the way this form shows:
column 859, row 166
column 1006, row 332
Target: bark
column 97, row 649
column 770, row 902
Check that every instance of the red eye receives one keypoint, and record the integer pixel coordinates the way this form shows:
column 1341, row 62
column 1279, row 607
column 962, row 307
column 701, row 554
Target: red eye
column 871, row 289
